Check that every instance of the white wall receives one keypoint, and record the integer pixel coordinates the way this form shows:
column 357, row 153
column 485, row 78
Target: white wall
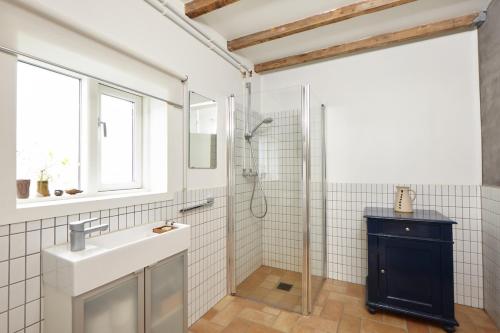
column 133, row 27
column 405, row 114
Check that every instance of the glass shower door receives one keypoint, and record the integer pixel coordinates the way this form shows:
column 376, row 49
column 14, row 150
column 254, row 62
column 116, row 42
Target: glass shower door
column 316, row 198
column 276, row 213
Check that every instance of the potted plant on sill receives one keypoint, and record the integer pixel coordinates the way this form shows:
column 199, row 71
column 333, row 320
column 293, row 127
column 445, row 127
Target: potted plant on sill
column 44, row 177
column 43, row 183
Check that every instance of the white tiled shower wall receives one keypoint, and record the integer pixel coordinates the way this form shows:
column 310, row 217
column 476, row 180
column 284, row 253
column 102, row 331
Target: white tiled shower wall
column 491, row 250
column 248, row 229
column 346, row 231
column 21, row 296
column 280, row 164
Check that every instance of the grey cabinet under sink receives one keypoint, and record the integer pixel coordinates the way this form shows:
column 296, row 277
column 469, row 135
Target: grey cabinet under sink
column 152, row 300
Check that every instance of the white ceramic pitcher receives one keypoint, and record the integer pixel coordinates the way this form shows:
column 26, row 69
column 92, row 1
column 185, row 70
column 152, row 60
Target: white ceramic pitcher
column 403, row 202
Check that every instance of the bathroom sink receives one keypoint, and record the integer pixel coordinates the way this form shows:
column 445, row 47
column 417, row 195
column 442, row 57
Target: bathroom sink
column 110, row 257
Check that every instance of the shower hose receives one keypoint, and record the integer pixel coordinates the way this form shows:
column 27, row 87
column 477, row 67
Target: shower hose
column 256, row 179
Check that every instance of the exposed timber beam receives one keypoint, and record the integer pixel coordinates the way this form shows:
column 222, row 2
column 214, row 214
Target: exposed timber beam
column 197, row 8
column 384, row 40
column 337, row 15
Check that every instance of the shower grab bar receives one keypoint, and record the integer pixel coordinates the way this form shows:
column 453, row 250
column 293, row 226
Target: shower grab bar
column 209, row 202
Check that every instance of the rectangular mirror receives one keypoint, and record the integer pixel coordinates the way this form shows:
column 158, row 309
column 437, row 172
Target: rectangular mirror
column 202, row 132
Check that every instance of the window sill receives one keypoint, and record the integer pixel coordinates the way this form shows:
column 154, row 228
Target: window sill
column 40, row 209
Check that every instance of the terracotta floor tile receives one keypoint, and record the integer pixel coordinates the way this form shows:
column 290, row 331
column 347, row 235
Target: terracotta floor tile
column 332, row 310
column 257, row 316
column 237, row 326
column 271, row 310
column 228, row 314
column 394, row 320
column 257, row 328
column 344, row 297
column 210, row 314
column 415, row 326
column 205, row 326
column 371, row 326
column 339, row 308
column 224, row 302
column 286, row 321
column 349, row 324
column 318, row 323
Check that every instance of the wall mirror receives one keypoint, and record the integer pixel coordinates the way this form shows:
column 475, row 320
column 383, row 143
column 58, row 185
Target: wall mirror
column 202, row 132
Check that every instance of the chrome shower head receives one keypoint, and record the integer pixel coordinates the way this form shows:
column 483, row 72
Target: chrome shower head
column 250, row 135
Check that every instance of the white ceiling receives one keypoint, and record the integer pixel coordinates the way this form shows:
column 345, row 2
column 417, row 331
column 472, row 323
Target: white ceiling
column 249, row 16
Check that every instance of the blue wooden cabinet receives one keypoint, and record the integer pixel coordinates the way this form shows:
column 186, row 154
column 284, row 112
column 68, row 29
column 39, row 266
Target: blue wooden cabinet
column 410, row 264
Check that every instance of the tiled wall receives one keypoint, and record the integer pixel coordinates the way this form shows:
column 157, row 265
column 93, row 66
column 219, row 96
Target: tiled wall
column 491, row 250
column 207, row 258
column 248, row 229
column 21, row 297
column 280, row 162
column 346, row 230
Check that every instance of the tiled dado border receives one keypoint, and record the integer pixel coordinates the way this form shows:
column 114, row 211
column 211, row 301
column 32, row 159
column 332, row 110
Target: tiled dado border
column 21, row 294
column 346, row 231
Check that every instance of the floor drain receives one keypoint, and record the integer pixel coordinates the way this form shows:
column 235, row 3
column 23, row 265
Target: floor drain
column 284, row 286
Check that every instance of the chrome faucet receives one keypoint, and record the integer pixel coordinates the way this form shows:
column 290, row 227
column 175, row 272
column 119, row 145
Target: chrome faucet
column 78, row 232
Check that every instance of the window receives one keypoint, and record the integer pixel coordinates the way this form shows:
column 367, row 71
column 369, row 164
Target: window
column 74, row 132
column 120, row 140
column 48, row 127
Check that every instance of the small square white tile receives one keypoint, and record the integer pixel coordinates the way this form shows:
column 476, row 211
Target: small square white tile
column 17, row 245
column 33, row 265
column 16, row 319
column 33, row 225
column 17, row 270
column 16, row 294
column 4, row 248
column 61, row 234
column 33, row 242
column 32, row 312
column 47, row 238
column 35, row 328
column 48, row 223
column 3, row 322
column 32, row 289
column 4, row 273
column 17, row 227
column 4, row 299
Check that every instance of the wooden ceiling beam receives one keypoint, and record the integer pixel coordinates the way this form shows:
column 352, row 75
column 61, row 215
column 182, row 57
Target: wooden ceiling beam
column 384, row 40
column 337, row 15
column 197, row 8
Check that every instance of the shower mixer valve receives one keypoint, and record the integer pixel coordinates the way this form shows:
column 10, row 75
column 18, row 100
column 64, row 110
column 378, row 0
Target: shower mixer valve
column 249, row 173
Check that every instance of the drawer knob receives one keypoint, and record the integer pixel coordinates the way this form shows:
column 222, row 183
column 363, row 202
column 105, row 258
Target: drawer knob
column 407, row 229
column 382, row 271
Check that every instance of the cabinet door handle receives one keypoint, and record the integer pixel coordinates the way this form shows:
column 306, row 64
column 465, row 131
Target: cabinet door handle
column 407, row 229
column 382, row 271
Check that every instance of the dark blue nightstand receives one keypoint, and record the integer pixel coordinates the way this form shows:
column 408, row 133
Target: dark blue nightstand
column 410, row 264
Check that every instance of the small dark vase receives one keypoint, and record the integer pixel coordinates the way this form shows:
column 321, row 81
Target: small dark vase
column 23, row 188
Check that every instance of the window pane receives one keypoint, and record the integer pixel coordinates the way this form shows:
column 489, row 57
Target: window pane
column 48, row 127
column 117, row 147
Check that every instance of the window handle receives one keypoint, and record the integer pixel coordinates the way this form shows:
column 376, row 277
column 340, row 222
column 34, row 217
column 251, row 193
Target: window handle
column 104, row 127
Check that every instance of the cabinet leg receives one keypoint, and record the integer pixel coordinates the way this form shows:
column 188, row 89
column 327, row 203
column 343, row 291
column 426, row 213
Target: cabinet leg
column 372, row 310
column 449, row 329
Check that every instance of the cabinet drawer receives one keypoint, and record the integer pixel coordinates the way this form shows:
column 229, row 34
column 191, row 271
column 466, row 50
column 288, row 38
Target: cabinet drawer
column 410, row 229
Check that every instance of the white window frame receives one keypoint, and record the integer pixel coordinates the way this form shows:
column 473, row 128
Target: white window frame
column 137, row 137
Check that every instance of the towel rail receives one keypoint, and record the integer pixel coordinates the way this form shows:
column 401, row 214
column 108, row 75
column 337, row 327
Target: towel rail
column 209, row 202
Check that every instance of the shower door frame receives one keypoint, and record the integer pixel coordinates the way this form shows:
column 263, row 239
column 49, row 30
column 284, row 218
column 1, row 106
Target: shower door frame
column 307, row 301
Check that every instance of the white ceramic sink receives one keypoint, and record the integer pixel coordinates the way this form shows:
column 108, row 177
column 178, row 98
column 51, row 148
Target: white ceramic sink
column 110, row 257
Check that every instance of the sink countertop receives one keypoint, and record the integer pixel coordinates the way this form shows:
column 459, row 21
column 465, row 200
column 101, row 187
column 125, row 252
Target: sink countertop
column 110, row 256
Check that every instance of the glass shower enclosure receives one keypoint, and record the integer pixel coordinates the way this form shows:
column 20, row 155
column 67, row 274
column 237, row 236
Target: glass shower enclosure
column 276, row 197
